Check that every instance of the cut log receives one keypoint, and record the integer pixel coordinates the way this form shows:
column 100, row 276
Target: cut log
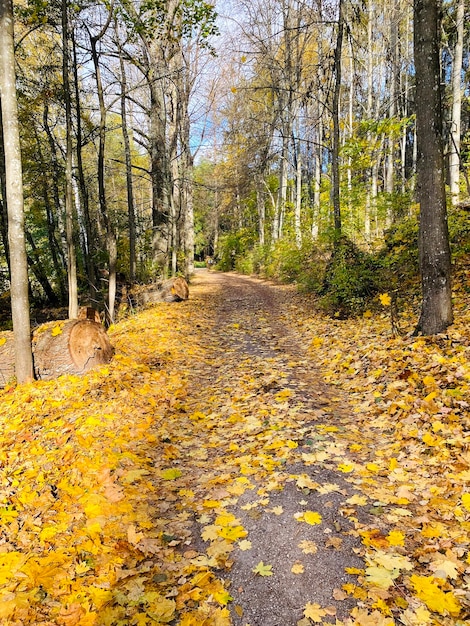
column 89, row 313
column 70, row 347
column 65, row 347
column 172, row 290
column 7, row 357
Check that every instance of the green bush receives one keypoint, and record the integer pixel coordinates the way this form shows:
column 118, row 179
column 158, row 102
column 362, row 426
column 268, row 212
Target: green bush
column 350, row 280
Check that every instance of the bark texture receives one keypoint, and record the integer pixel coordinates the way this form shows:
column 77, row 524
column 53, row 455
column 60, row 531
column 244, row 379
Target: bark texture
column 67, row 347
column 434, row 249
column 172, row 290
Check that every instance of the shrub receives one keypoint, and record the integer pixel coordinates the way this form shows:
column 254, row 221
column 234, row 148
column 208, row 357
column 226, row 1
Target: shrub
column 350, row 280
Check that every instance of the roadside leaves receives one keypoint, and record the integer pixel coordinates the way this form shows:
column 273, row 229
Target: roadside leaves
column 118, row 488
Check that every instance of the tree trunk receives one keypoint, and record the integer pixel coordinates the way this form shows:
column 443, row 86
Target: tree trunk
column 261, row 208
column 69, row 219
column 66, row 347
column 335, row 170
column 3, row 190
column 14, row 193
column 127, row 155
column 454, row 148
column 90, row 232
column 173, row 289
column 434, row 249
column 111, row 244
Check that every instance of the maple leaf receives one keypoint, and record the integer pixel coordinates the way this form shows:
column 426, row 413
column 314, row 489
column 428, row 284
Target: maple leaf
column 385, row 299
column 310, row 517
column 346, row 468
column 297, row 568
column 381, row 577
column 171, row 474
column 308, row 547
column 396, row 538
column 244, row 545
column 466, row 501
column 434, row 597
column 314, row 612
column 263, row 570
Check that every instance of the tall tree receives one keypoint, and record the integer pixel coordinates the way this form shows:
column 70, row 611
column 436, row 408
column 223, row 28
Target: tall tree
column 434, row 249
column 454, row 148
column 111, row 243
column 14, row 198
column 69, row 218
column 335, row 157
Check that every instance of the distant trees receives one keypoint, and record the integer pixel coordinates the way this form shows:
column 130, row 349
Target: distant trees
column 319, row 129
column 108, row 154
column 312, row 134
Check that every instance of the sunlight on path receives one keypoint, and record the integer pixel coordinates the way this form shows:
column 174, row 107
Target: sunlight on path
column 210, row 476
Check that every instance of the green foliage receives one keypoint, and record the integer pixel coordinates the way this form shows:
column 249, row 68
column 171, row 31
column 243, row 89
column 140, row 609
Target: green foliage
column 232, row 247
column 459, row 231
column 399, row 256
column 350, row 280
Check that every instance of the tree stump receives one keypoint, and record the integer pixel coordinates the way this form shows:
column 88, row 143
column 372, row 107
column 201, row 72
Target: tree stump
column 65, row 347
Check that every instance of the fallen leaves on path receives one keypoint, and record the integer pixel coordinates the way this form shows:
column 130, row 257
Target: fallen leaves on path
column 118, row 488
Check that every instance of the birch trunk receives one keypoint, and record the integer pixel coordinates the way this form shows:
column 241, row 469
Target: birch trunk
column 14, row 198
column 454, row 148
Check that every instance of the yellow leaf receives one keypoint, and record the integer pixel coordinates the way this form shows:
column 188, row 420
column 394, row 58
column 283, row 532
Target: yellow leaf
column 396, row 538
column 345, row 467
column 308, row 547
column 381, row 577
column 357, row 499
column 385, row 299
column 297, row 568
column 57, row 330
column 171, row 474
column 134, row 537
column 232, row 532
column 263, row 570
column 244, row 545
column 162, row 610
column 434, row 598
column 314, row 612
column 211, row 504
column 310, row 517
column 466, row 501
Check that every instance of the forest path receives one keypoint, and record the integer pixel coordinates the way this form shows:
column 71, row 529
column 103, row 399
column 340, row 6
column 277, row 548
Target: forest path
column 274, row 425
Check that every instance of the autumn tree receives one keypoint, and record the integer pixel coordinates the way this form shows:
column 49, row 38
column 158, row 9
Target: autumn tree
column 14, row 198
column 434, row 250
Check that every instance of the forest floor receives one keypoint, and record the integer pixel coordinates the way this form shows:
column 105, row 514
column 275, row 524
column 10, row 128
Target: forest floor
column 242, row 460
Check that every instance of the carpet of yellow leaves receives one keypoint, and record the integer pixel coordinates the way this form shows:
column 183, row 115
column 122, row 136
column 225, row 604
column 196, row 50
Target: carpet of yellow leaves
column 103, row 477
column 409, row 455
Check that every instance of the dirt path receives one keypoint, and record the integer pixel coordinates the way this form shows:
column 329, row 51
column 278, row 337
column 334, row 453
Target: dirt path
column 258, row 384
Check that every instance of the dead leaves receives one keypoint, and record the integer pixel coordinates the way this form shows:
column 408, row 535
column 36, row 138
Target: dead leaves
column 104, row 475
